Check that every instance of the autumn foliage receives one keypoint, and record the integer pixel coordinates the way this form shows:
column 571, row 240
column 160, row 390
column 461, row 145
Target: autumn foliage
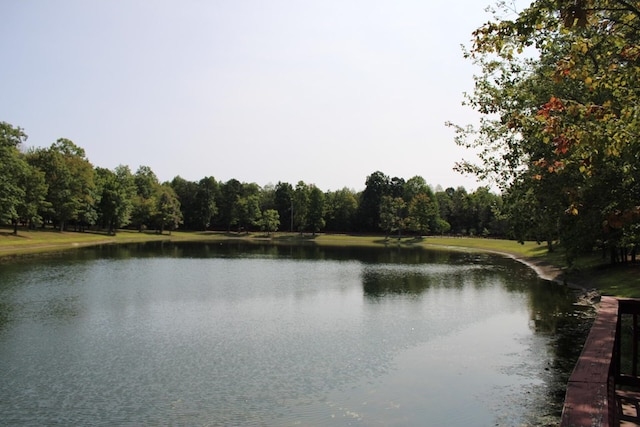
column 559, row 90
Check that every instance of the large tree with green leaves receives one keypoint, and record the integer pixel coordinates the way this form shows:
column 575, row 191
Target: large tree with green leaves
column 228, row 214
column 283, row 200
column 559, row 93
column 71, row 183
column 21, row 186
column 377, row 185
column 34, row 201
column 249, row 212
column 116, row 193
column 145, row 201
column 340, row 209
column 422, row 214
column 205, row 202
column 301, row 206
column 186, row 192
column 269, row 221
column 315, row 216
column 422, row 207
column 392, row 214
column 167, row 213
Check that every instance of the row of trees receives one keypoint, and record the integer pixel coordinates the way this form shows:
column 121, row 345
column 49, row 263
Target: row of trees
column 559, row 94
column 559, row 91
column 59, row 186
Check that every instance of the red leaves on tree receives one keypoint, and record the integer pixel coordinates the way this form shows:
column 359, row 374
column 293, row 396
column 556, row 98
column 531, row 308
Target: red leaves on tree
column 562, row 144
column 547, row 166
column 554, row 104
column 619, row 219
column 560, row 140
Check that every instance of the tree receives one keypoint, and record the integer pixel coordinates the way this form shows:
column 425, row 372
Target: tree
column 116, row 191
column 249, row 213
column 459, row 217
column 71, row 183
column 108, row 198
column 167, row 212
column 414, row 186
column 301, row 206
column 423, row 214
column 569, row 112
column 186, row 191
column 145, row 201
column 377, row 185
column 392, row 214
column 270, row 221
column 316, row 209
column 34, row 200
column 230, row 192
column 268, row 197
column 205, row 202
column 534, row 210
column 396, row 187
column 341, row 208
column 444, row 203
column 283, row 200
column 483, row 208
column 14, row 172
column 146, row 182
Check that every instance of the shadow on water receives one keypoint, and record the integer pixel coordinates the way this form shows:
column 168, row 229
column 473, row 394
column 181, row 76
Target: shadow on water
column 243, row 249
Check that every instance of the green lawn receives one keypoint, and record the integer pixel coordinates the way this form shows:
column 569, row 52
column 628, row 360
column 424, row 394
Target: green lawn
column 590, row 272
column 37, row 241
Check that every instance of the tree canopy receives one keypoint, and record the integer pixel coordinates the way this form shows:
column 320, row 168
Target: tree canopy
column 558, row 93
column 58, row 186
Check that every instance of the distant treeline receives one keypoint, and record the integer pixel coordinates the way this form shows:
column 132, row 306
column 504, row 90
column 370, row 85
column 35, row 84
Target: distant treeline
column 59, row 187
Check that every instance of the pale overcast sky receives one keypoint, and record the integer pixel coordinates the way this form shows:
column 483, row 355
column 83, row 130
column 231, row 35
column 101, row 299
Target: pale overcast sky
column 326, row 92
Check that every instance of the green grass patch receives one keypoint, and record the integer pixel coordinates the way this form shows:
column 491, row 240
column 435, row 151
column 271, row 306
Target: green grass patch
column 528, row 249
column 28, row 242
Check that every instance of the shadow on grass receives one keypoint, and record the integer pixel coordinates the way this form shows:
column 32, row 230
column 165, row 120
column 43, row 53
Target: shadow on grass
column 539, row 250
column 622, row 280
column 295, row 238
column 10, row 234
column 414, row 240
column 400, row 241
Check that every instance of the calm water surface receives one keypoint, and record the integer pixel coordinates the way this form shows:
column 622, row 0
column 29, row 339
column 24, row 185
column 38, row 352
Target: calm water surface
column 251, row 335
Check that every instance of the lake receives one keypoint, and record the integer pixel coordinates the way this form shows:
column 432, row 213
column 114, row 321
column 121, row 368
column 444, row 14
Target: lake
column 242, row 334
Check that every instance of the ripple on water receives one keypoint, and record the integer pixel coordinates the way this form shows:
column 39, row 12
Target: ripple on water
column 267, row 341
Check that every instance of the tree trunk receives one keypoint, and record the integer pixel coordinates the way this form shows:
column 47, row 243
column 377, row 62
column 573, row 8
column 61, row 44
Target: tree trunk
column 614, row 255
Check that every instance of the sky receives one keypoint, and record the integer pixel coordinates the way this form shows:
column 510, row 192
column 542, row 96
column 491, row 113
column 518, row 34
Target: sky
column 266, row 91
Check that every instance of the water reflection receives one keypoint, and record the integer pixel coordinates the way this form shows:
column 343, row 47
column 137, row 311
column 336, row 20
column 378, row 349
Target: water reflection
column 251, row 334
column 244, row 249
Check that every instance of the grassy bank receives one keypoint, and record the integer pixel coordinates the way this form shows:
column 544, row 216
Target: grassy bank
column 590, row 272
column 38, row 241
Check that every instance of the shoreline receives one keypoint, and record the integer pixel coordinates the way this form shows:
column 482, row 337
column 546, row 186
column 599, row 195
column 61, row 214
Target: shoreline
column 588, row 295
column 22, row 249
column 555, row 274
